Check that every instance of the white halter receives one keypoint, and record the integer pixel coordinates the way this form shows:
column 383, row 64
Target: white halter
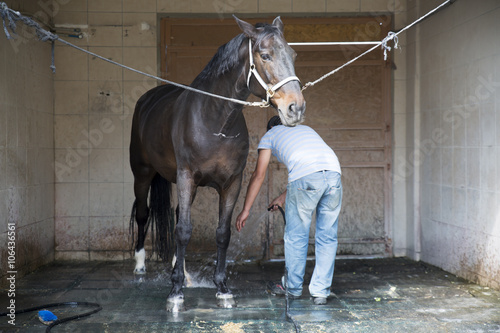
column 269, row 90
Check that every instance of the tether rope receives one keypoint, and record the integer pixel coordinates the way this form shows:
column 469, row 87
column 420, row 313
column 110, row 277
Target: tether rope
column 390, row 36
column 10, row 17
column 261, row 104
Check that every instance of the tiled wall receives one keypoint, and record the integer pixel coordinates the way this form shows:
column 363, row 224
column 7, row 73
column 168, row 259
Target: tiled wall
column 26, row 149
column 93, row 105
column 447, row 169
column 275, row 6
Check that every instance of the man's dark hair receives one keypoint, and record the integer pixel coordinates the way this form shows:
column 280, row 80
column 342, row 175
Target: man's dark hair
column 274, row 121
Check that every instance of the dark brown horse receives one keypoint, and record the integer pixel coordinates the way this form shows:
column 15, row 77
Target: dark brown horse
column 187, row 138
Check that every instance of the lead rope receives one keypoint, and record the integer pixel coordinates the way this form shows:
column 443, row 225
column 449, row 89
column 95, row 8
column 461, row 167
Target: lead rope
column 6, row 14
column 10, row 17
column 390, row 36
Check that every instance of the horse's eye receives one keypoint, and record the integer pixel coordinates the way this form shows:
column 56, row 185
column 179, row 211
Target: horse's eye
column 265, row 57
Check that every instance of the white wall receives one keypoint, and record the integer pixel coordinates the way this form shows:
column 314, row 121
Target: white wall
column 447, row 161
column 26, row 148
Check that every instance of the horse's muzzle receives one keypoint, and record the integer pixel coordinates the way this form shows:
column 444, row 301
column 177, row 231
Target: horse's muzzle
column 297, row 111
column 294, row 114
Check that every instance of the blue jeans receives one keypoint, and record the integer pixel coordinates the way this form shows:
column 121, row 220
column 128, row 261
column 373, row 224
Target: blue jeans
column 320, row 191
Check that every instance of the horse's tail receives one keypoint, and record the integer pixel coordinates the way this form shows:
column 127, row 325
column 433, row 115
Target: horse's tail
column 161, row 217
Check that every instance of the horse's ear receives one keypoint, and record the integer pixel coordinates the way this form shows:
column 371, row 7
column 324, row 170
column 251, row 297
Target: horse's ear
column 246, row 27
column 278, row 23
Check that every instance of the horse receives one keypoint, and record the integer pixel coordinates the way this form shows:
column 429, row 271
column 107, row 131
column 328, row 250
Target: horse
column 191, row 139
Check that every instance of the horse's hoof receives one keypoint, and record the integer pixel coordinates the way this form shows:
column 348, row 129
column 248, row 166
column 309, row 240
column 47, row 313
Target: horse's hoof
column 225, row 300
column 175, row 304
column 138, row 278
column 140, row 262
column 140, row 271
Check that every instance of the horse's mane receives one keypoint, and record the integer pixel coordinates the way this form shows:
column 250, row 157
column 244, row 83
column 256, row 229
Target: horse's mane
column 228, row 55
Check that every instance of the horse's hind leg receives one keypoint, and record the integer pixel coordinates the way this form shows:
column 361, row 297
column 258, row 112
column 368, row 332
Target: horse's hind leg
column 141, row 189
column 227, row 201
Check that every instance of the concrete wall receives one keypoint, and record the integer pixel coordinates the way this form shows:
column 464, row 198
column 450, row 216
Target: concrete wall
column 26, row 149
column 447, row 165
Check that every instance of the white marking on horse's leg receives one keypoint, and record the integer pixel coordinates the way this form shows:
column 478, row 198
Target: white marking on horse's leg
column 140, row 259
column 175, row 304
column 189, row 280
column 187, row 277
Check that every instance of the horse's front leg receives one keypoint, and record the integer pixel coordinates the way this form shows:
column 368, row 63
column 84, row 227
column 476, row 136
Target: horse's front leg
column 227, row 201
column 185, row 192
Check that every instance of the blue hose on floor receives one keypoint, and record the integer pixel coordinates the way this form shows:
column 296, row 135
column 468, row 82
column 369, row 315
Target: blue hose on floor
column 63, row 320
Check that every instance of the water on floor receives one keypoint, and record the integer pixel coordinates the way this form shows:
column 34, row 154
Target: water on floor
column 377, row 295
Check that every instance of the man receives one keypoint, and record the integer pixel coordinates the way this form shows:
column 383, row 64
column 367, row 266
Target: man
column 314, row 184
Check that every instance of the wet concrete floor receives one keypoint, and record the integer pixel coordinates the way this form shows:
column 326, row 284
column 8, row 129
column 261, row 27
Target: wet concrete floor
column 376, row 295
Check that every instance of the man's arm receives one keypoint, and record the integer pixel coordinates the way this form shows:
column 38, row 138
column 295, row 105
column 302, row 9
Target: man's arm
column 254, row 186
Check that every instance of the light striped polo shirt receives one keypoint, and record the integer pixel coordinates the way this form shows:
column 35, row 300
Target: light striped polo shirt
column 300, row 149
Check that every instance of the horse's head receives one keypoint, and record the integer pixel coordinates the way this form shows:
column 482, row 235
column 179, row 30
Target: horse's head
column 271, row 74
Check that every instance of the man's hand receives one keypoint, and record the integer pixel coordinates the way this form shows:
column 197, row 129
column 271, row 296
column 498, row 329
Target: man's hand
column 254, row 186
column 279, row 201
column 241, row 220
